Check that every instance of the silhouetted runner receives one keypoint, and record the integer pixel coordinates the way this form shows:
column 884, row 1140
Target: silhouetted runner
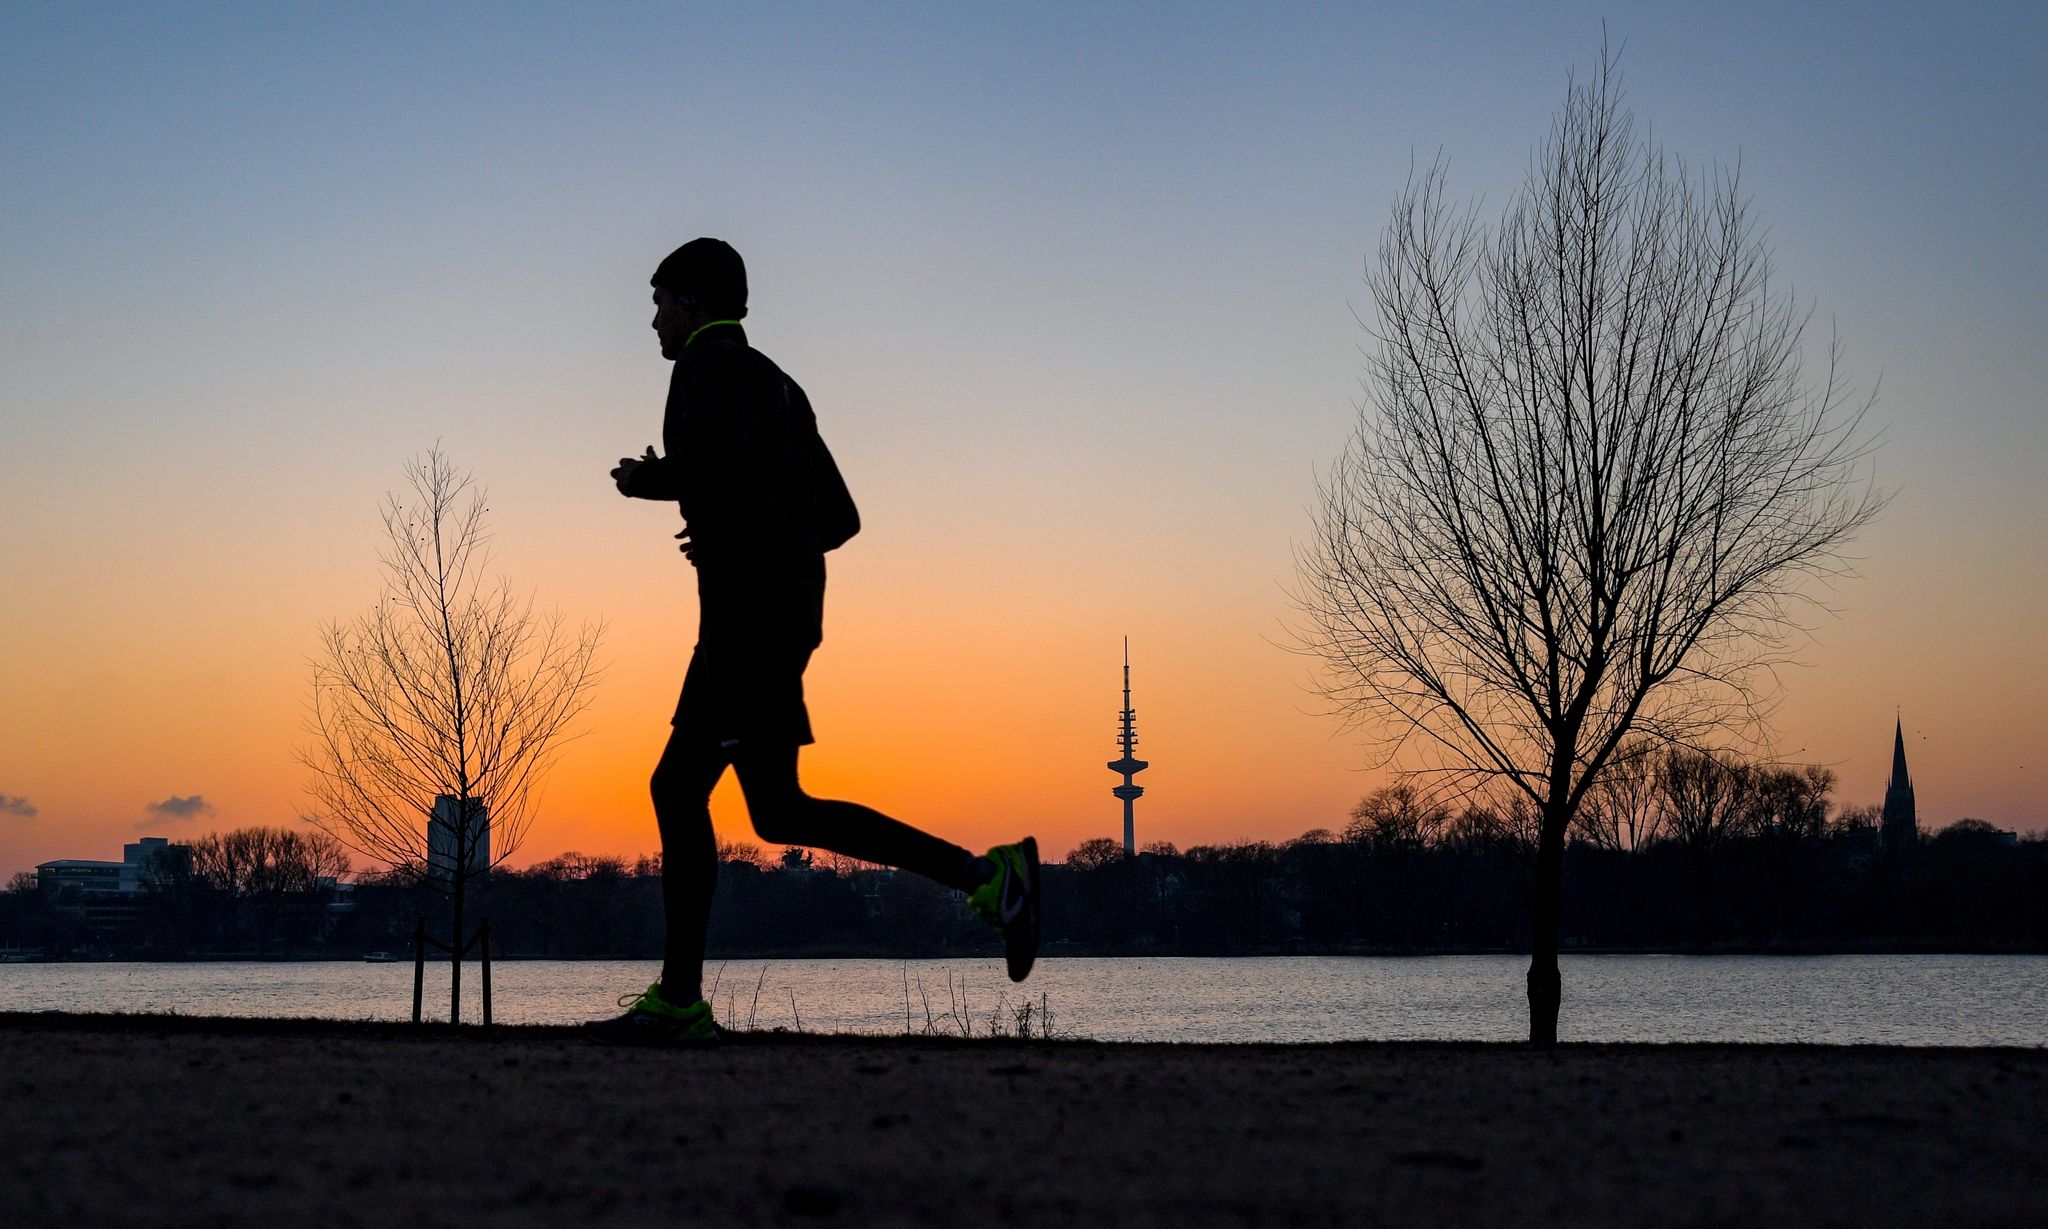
column 762, row 501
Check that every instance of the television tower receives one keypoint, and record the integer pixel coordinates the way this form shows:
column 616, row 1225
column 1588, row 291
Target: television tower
column 1129, row 766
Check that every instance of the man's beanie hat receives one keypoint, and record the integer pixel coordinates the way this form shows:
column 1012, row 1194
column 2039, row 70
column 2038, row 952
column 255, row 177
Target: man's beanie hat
column 709, row 271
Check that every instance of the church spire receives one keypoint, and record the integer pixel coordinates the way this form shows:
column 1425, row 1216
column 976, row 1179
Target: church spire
column 1900, row 826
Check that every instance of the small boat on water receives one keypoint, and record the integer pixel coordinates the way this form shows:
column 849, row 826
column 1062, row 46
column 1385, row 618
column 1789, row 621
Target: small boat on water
column 380, row 958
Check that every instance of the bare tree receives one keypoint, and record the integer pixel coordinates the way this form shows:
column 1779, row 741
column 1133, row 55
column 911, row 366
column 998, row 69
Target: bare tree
column 1591, row 482
column 1095, row 853
column 740, row 851
column 436, row 715
column 255, row 861
column 1500, row 817
column 574, row 865
column 842, row 864
column 1706, row 795
column 1791, row 803
column 1624, row 810
column 1396, row 819
column 1863, row 819
column 273, row 881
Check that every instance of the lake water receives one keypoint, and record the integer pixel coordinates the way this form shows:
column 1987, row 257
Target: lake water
column 1898, row 1000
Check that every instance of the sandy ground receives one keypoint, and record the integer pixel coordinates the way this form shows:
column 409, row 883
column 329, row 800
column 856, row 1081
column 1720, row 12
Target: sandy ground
column 139, row 1121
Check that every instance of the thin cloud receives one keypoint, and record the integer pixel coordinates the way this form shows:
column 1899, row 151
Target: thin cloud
column 15, row 804
column 174, row 810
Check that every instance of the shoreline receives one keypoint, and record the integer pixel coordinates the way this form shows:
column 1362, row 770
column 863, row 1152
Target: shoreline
column 160, row 1120
column 1793, row 951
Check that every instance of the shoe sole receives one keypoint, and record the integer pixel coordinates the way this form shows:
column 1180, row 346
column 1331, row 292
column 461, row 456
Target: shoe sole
column 1020, row 951
column 614, row 1033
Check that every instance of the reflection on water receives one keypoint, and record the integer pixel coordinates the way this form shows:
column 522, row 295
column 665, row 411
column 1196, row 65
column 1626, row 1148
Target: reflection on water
column 1906, row 1000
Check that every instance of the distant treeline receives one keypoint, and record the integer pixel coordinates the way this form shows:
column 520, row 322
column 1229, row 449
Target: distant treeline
column 1680, row 851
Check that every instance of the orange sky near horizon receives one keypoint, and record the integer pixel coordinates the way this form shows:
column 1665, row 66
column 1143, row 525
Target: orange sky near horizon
column 974, row 695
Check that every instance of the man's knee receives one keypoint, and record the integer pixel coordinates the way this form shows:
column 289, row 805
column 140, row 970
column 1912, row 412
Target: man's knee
column 782, row 816
column 684, row 779
column 662, row 785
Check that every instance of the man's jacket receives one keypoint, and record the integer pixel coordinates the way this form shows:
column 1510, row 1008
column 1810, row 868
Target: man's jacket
column 759, row 492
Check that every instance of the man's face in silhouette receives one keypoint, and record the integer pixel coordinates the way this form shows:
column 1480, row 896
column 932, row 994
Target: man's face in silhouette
column 675, row 318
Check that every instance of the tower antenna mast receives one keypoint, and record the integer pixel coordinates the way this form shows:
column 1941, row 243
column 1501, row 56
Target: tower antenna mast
column 1129, row 765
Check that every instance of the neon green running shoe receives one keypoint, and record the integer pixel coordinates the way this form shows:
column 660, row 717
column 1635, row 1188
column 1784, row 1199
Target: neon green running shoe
column 652, row 1020
column 1009, row 902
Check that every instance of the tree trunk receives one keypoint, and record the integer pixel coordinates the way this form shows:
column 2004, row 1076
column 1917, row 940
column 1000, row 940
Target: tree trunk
column 455, row 953
column 1546, row 985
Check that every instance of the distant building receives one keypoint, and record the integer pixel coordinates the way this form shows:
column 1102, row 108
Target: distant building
column 448, row 835
column 1900, row 826
column 106, row 895
column 152, row 855
column 70, row 877
column 148, row 856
